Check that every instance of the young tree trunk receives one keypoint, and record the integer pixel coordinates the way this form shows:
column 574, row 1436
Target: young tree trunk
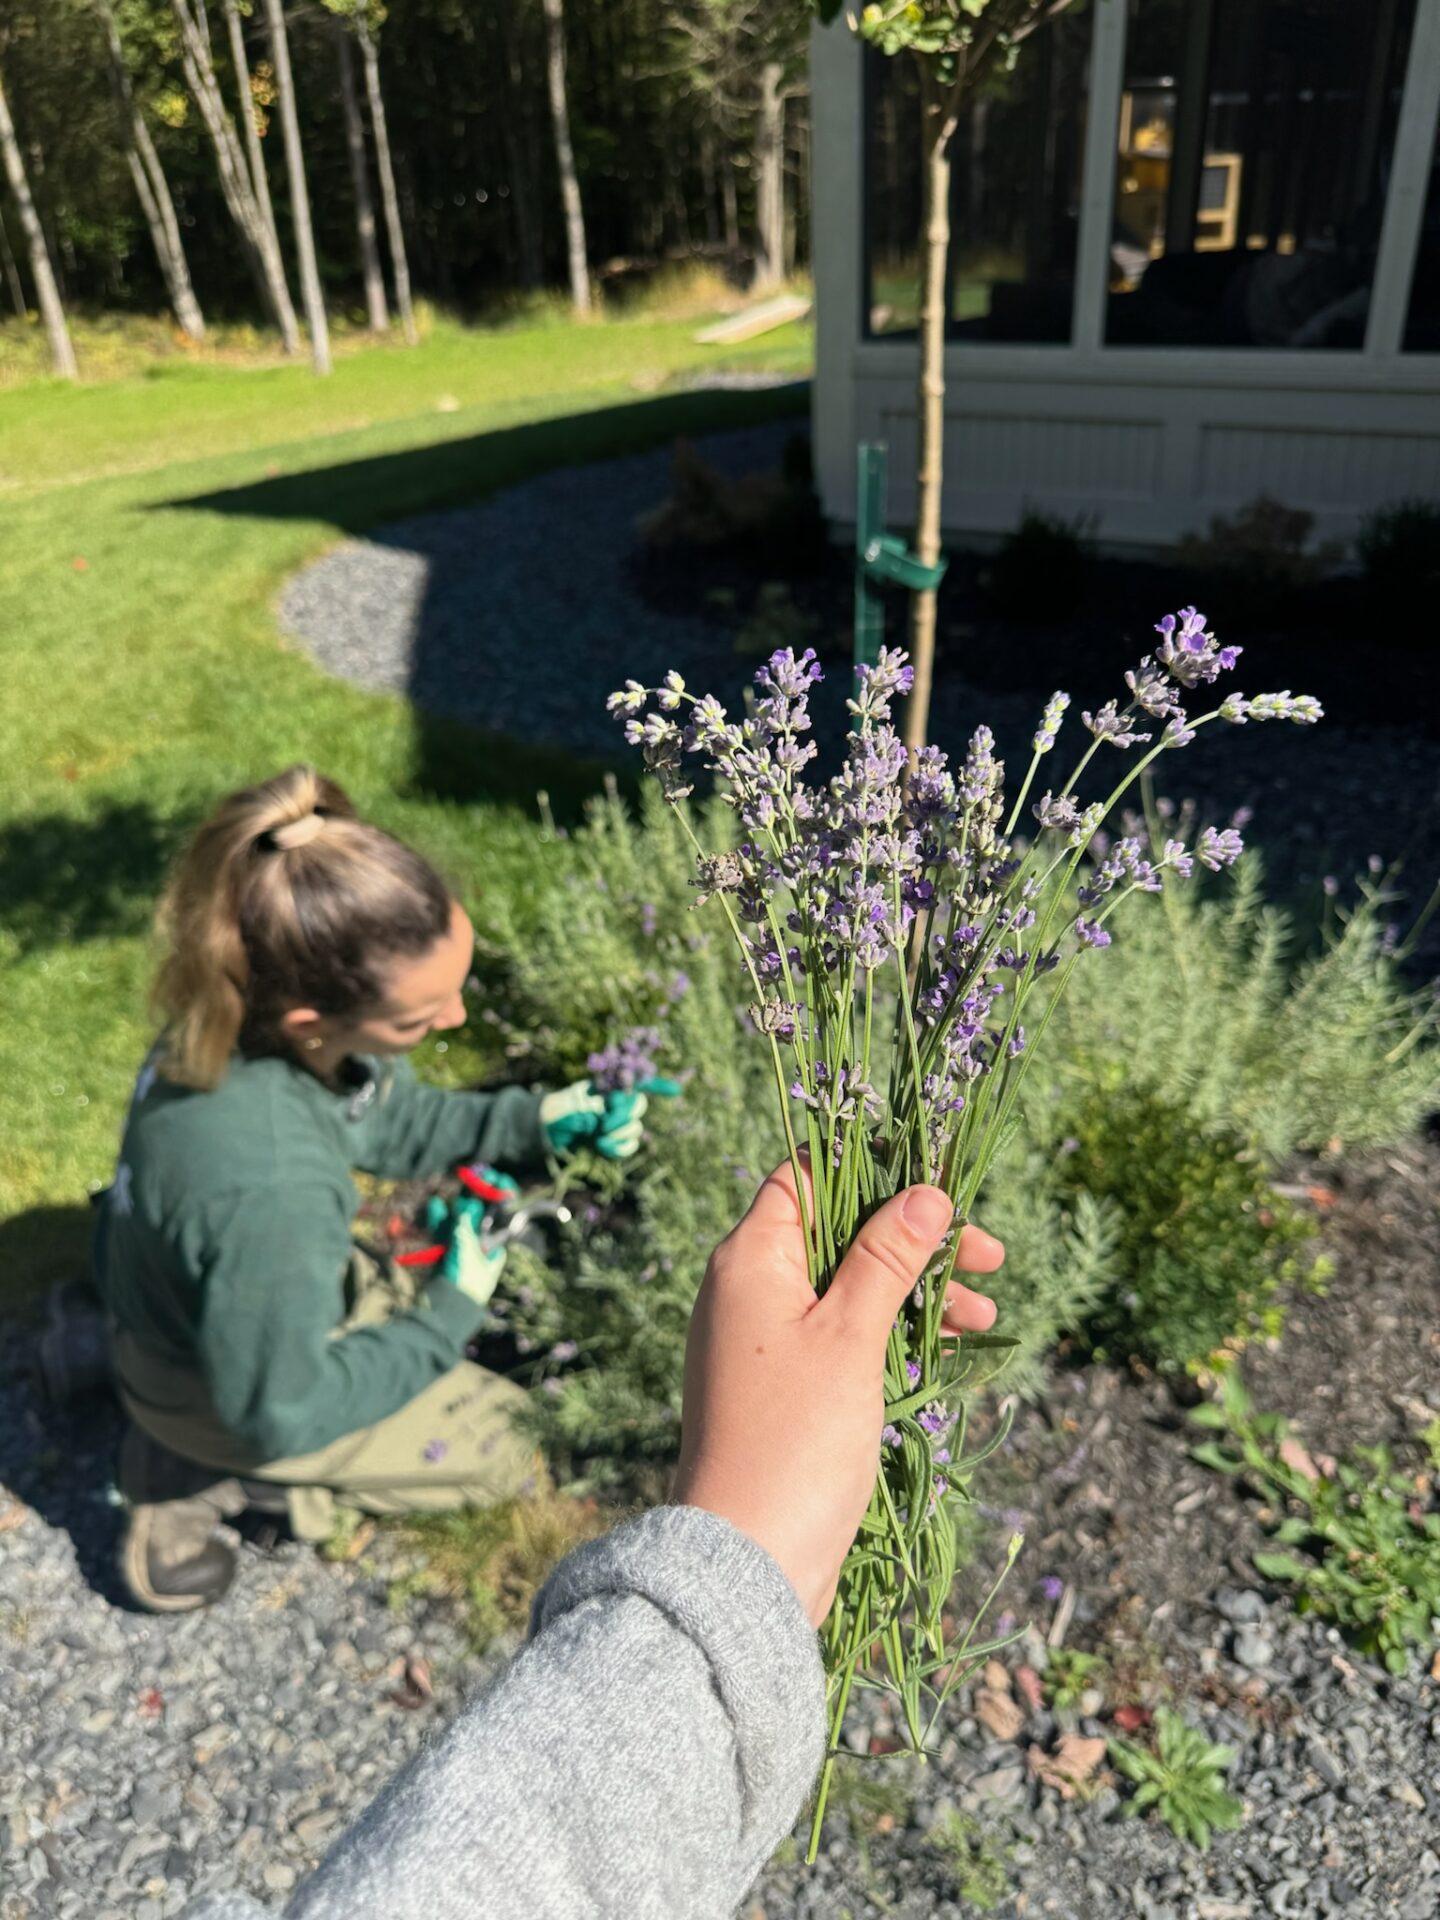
column 770, row 181
column 262, row 250
column 565, row 157
column 938, row 118
column 12, row 275
column 151, row 187
column 299, row 195
column 52, row 311
column 377, row 311
column 389, row 198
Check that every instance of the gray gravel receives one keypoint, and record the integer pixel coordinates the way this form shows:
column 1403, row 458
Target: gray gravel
column 145, row 1761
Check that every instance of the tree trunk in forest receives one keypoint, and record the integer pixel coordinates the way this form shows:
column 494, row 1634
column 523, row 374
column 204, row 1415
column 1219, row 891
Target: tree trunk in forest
column 262, row 250
column 12, row 275
column 52, row 311
column 770, row 181
column 730, row 201
column 249, row 122
column 151, row 187
column 708, row 185
column 565, row 157
column 389, row 198
column 299, row 194
column 939, row 104
column 376, row 310
column 521, row 156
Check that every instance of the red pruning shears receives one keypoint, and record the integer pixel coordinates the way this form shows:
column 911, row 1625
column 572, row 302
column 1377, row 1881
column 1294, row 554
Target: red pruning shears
column 489, row 1195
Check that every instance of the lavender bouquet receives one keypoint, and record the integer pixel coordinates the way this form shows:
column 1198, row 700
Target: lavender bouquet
column 904, row 948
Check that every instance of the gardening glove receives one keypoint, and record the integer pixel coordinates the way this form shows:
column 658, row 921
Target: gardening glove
column 611, row 1120
column 468, row 1265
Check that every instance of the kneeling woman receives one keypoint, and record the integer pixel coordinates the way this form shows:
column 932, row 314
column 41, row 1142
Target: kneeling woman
column 261, row 1355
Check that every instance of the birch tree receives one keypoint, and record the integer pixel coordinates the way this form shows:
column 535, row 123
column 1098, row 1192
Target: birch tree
column 376, row 309
column 565, row 157
column 959, row 46
column 367, row 20
column 770, row 179
column 151, row 187
column 257, row 233
column 52, row 311
column 310, row 287
column 250, row 112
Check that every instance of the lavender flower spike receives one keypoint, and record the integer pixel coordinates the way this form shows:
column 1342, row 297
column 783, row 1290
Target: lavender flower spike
column 1109, row 724
column 1050, row 722
column 1216, row 849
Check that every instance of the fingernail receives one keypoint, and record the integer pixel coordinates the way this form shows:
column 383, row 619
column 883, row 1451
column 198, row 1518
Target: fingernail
column 987, row 1240
column 927, row 1212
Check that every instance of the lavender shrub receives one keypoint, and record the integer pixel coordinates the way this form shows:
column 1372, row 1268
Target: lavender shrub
column 895, row 916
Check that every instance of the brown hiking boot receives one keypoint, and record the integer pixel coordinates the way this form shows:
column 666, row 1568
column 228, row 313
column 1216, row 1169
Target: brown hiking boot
column 170, row 1558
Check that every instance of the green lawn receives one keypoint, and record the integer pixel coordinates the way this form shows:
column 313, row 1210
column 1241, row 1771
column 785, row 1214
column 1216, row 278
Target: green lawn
column 145, row 529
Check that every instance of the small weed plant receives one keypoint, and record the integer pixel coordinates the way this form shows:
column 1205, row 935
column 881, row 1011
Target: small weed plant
column 1357, row 1544
column 1182, row 1777
column 980, row 1867
column 1069, row 1673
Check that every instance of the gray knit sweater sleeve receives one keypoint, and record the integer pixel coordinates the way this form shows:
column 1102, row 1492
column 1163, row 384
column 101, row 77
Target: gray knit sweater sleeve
column 642, row 1757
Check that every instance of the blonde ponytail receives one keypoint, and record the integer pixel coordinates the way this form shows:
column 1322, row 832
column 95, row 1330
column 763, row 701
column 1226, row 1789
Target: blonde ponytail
column 283, row 899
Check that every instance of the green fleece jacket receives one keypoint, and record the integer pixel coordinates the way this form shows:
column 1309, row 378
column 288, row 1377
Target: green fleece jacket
column 224, row 1242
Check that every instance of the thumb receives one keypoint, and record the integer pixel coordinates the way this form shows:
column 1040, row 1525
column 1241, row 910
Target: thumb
column 889, row 1254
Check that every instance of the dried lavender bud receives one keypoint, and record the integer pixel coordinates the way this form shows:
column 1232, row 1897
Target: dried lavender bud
column 1050, row 722
column 1062, row 814
column 1091, row 933
column 1110, row 725
column 1217, row 848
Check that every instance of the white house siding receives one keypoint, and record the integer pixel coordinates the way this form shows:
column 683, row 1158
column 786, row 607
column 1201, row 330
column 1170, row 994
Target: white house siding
column 1151, row 442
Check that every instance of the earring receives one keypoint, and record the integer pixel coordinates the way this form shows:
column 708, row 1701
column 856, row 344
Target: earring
column 313, row 1042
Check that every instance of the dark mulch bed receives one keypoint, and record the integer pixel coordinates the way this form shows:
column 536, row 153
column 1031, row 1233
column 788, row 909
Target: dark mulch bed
column 1100, row 1468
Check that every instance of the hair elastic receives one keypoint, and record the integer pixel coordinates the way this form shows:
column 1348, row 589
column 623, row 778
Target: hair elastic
column 297, row 833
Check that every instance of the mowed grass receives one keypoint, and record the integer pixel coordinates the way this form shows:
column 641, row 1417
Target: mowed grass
column 145, row 531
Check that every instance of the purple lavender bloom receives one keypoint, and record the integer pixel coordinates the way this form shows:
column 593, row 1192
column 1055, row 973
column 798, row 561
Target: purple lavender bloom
column 891, row 1436
column 562, row 1351
column 912, row 1372
column 1051, row 1587
column 1227, row 656
column 1217, row 848
column 1050, row 722
column 1177, row 859
column 933, row 1418
column 648, row 915
column 1091, row 933
column 1109, row 724
column 1062, row 814
column 619, row 1067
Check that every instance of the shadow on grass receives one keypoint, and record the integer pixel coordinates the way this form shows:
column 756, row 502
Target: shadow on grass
column 39, row 1248
column 64, row 880
column 452, row 761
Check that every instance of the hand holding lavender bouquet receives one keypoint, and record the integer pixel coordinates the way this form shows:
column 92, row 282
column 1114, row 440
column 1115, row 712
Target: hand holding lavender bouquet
column 897, row 935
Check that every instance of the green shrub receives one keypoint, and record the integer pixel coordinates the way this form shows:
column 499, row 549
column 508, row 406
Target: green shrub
column 1254, row 562
column 1208, row 1004
column 1040, row 571
column 1204, row 1243
column 1399, row 549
